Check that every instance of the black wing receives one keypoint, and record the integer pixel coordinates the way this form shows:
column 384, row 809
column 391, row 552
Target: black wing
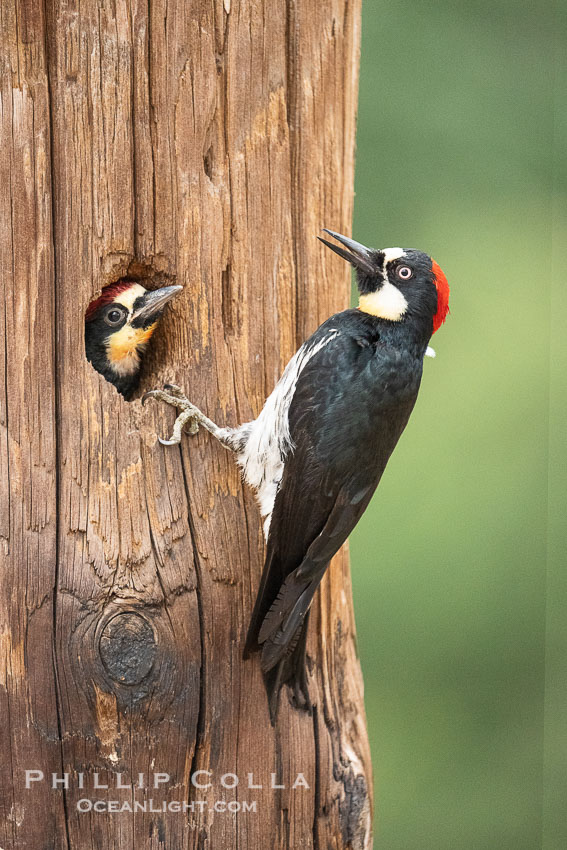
column 344, row 430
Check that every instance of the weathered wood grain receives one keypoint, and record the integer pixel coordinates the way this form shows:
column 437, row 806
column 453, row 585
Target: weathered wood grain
column 204, row 143
column 29, row 735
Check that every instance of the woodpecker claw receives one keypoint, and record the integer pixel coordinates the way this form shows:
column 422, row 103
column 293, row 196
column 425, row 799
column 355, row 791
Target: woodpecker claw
column 190, row 415
column 166, row 442
column 174, row 390
column 149, row 394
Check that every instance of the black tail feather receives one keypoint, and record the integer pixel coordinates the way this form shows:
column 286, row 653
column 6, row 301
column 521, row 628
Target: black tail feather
column 269, row 585
column 291, row 670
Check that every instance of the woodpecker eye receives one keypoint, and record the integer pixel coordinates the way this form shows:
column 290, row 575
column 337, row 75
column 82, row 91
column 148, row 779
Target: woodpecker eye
column 404, row 272
column 114, row 316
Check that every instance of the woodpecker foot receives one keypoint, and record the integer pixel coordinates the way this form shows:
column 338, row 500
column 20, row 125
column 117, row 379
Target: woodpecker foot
column 190, row 415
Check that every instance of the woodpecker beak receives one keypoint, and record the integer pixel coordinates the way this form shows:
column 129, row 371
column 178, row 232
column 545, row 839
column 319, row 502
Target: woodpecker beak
column 152, row 305
column 358, row 255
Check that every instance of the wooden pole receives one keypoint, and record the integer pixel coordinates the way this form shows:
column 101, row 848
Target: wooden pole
column 204, row 143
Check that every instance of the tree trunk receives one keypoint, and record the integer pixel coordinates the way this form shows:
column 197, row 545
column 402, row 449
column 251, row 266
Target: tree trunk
column 202, row 143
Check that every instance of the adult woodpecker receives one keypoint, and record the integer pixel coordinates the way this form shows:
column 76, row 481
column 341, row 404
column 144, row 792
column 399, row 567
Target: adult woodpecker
column 318, row 449
column 118, row 327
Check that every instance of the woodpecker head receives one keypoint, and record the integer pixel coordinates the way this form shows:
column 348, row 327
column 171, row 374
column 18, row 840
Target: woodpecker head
column 118, row 326
column 396, row 284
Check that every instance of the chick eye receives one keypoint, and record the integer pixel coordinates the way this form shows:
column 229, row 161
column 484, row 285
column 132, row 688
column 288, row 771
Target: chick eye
column 114, row 316
column 404, row 272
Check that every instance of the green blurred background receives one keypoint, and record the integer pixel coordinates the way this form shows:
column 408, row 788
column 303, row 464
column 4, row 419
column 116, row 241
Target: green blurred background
column 459, row 155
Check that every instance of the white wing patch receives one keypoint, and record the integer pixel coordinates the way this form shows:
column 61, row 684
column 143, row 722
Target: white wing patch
column 266, row 441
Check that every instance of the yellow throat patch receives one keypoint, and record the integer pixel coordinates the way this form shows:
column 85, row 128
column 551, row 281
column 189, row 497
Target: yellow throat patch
column 124, row 347
column 388, row 302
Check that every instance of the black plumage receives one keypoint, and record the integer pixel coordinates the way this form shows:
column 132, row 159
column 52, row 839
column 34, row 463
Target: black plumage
column 317, row 451
column 351, row 403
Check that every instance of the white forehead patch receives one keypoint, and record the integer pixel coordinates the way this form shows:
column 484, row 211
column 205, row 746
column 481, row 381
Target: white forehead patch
column 388, row 302
column 128, row 297
column 392, row 254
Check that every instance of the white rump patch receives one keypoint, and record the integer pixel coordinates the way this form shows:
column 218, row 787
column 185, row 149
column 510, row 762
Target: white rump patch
column 388, row 302
column 267, row 438
column 430, row 352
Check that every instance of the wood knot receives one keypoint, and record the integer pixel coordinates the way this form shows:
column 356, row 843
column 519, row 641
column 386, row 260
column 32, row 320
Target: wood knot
column 128, row 648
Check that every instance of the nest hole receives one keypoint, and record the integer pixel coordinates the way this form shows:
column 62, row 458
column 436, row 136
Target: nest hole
column 123, row 327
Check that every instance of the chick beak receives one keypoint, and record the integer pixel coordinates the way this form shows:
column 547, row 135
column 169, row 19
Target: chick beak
column 153, row 305
column 358, row 255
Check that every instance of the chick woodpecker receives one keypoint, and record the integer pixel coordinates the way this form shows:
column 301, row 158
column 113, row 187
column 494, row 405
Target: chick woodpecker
column 317, row 451
column 118, row 326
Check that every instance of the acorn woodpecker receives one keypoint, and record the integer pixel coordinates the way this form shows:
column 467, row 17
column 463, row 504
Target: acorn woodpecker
column 318, row 449
column 118, row 327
